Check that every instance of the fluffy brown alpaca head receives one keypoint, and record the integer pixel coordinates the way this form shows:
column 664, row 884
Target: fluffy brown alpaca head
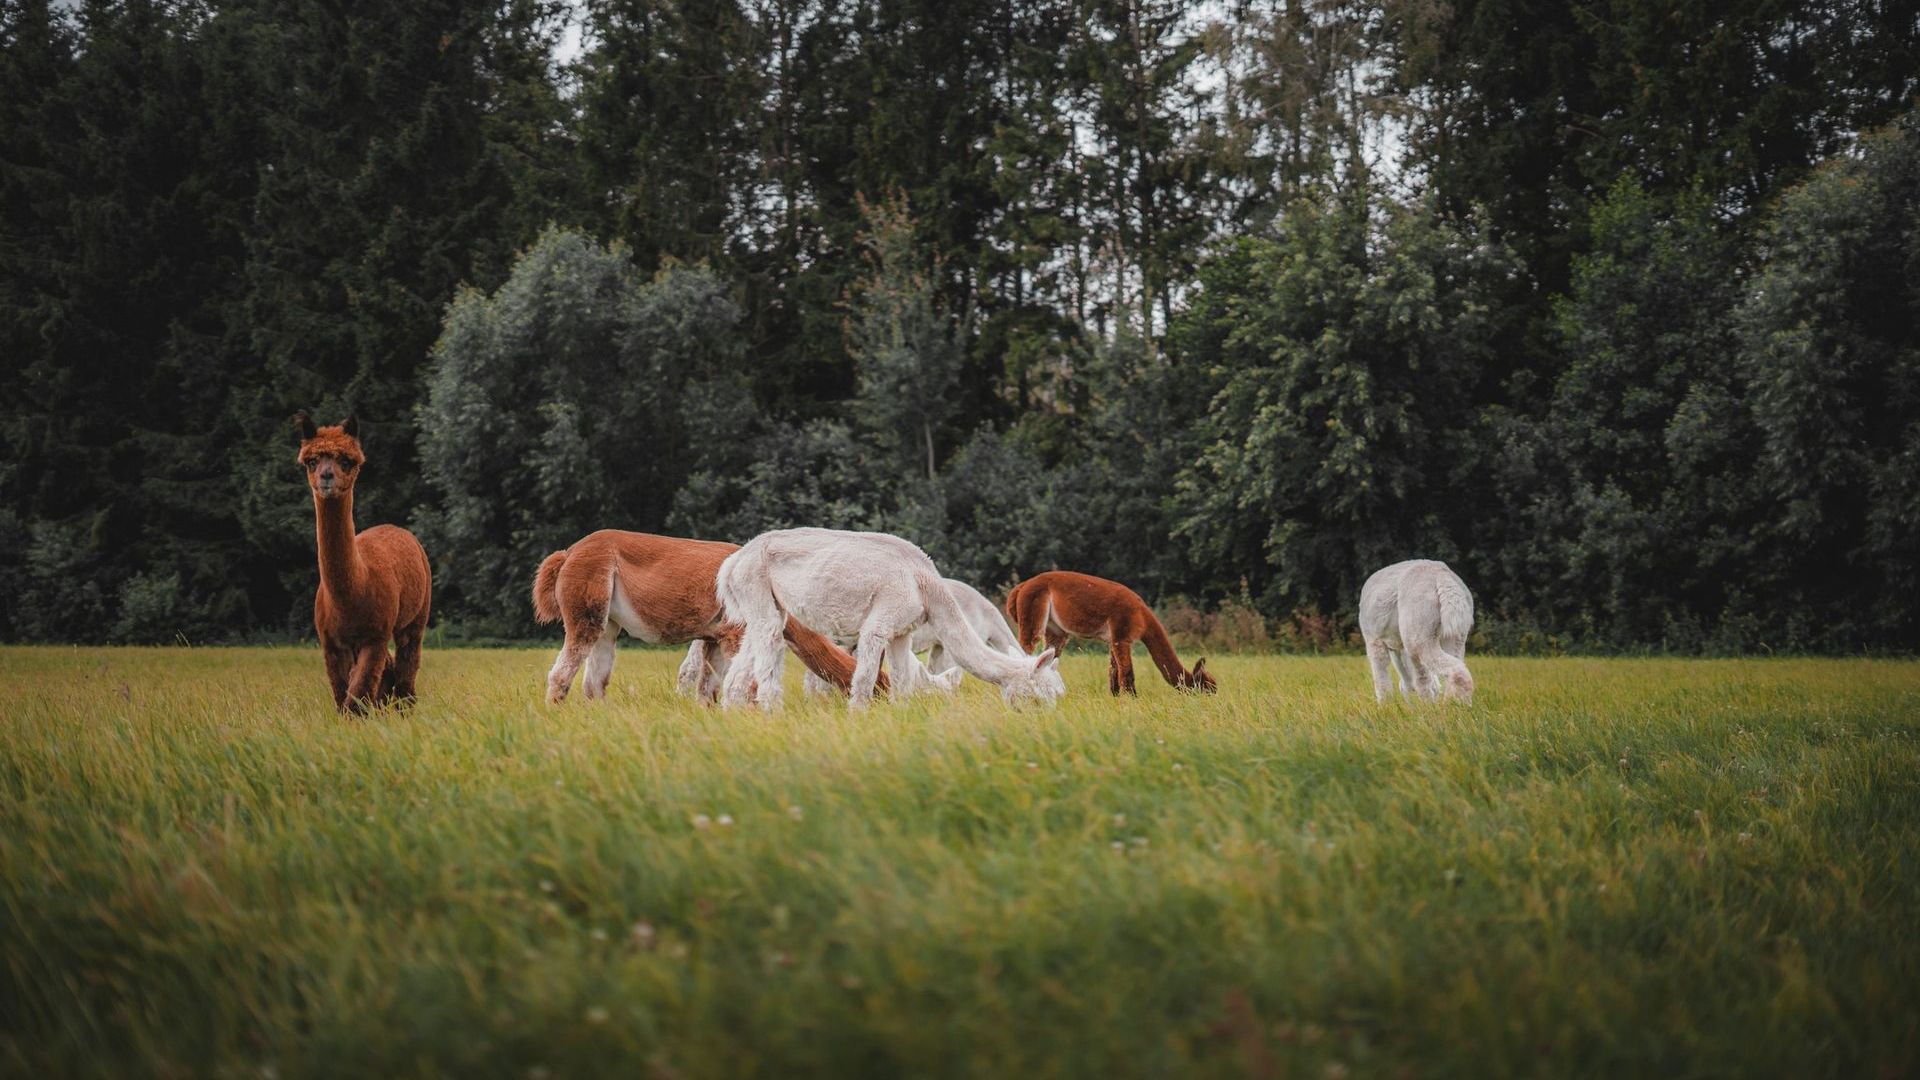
column 331, row 456
column 1199, row 680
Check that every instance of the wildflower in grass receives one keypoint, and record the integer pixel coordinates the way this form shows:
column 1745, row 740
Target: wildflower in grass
column 701, row 821
column 796, row 813
column 1177, row 766
column 599, row 934
column 1451, row 877
column 1745, row 837
column 545, row 885
column 1119, row 846
column 642, row 935
column 1119, row 821
column 1033, row 764
column 724, row 820
column 597, row 1015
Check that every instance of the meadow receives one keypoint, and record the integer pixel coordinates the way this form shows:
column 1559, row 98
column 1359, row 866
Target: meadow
column 1601, row 867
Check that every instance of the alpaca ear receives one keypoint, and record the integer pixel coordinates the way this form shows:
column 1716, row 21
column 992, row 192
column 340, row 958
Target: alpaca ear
column 303, row 424
column 350, row 426
column 1051, row 656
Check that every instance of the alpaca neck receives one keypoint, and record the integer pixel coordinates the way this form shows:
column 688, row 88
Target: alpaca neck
column 1161, row 649
column 333, row 529
column 958, row 638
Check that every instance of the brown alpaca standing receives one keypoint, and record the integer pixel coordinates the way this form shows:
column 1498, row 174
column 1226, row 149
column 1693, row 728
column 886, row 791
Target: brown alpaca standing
column 375, row 586
column 1062, row 604
column 659, row 589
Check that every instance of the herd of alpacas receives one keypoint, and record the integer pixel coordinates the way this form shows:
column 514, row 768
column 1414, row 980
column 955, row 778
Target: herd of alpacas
column 845, row 603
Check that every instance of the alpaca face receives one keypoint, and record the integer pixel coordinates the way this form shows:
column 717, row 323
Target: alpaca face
column 331, row 456
column 1042, row 684
column 1460, row 686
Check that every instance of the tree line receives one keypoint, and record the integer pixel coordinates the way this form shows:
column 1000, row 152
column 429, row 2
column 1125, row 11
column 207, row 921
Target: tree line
column 1609, row 305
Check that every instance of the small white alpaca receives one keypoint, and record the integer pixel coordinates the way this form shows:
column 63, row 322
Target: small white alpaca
column 982, row 614
column 1420, row 613
column 872, row 587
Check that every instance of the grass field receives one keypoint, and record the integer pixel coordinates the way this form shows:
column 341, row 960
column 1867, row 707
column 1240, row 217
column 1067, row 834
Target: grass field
column 1603, row 867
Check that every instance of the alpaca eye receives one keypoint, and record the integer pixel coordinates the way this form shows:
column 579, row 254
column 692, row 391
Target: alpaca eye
column 310, row 464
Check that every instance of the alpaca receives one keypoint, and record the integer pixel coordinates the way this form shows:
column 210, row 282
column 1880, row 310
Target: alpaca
column 660, row 590
column 1061, row 603
column 872, row 586
column 375, row 586
column 1420, row 613
column 941, row 672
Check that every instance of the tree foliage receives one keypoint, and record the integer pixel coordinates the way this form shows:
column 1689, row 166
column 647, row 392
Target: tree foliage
column 1605, row 303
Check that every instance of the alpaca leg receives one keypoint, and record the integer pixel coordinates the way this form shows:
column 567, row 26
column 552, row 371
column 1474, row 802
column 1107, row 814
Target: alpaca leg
column 692, row 676
column 1123, row 658
column 754, row 674
column 580, row 641
column 736, row 683
column 1378, row 661
column 339, row 665
column 1409, row 686
column 1113, row 670
column 907, row 669
column 714, row 677
column 599, row 667
column 363, row 685
column 408, row 642
column 938, row 660
column 1424, row 680
column 866, row 671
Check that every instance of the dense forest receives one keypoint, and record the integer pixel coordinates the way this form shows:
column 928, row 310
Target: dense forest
column 1613, row 305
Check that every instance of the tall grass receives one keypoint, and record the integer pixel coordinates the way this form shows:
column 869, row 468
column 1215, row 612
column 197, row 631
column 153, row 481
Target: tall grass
column 1602, row 867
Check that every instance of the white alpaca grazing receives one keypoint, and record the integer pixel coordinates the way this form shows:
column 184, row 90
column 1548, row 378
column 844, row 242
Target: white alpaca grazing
column 982, row 614
column 871, row 587
column 1418, row 612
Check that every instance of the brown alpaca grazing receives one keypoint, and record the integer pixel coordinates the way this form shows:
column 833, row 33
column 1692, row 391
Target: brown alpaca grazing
column 375, row 586
column 1063, row 604
column 659, row 589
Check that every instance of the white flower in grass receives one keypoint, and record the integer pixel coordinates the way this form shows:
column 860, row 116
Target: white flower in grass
column 545, row 885
column 1139, row 841
column 599, row 934
column 1119, row 821
column 724, row 821
column 1177, row 766
column 1033, row 764
column 597, row 1015
column 1119, row 846
column 642, row 935
column 701, row 821
column 796, row 813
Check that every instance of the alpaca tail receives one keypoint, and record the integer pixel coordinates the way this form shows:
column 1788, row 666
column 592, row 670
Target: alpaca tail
column 743, row 589
column 1456, row 607
column 546, row 588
